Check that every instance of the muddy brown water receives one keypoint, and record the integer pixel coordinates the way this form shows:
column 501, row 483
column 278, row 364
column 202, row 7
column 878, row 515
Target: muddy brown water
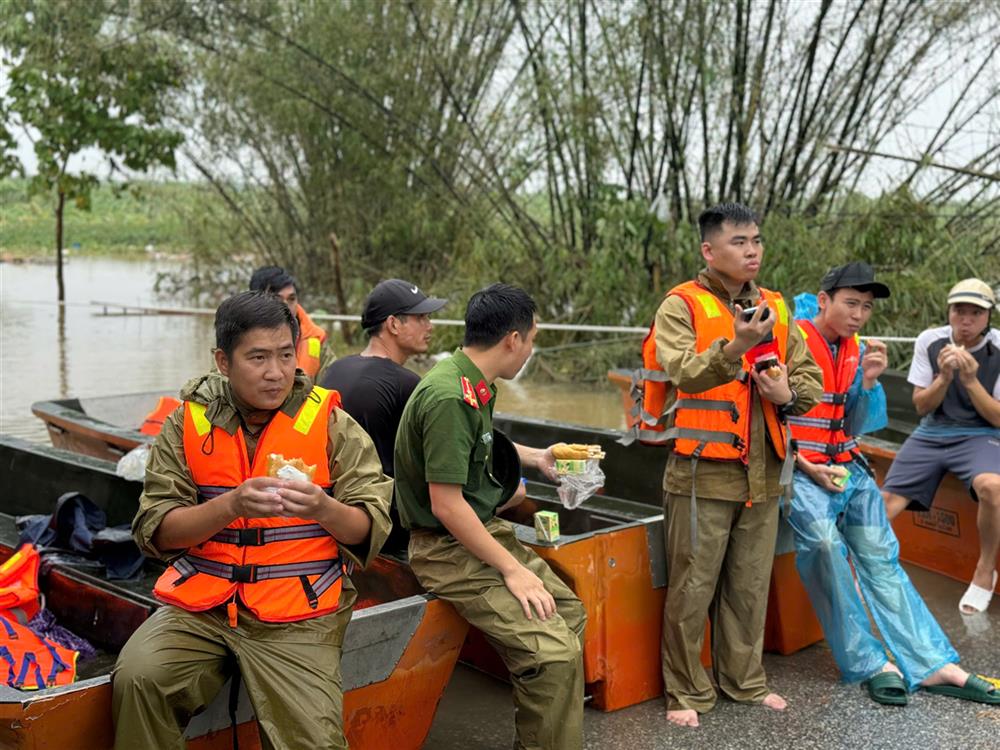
column 88, row 353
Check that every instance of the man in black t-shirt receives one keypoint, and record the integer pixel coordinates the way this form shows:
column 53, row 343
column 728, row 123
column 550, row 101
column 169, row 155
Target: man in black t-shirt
column 374, row 385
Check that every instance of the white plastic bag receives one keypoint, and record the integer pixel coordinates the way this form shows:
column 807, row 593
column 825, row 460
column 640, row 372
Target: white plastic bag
column 577, row 486
column 133, row 464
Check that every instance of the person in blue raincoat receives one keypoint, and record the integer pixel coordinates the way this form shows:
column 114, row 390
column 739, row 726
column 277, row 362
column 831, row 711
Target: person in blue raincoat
column 838, row 516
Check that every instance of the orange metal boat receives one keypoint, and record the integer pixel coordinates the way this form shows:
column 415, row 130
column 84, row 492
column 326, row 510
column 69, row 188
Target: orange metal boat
column 399, row 653
column 611, row 552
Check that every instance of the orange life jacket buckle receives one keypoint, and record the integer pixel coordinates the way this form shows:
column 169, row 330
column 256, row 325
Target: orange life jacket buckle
column 243, row 574
column 251, row 537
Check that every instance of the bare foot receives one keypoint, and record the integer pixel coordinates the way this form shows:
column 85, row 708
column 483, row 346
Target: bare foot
column 890, row 667
column 775, row 702
column 949, row 674
column 686, row 717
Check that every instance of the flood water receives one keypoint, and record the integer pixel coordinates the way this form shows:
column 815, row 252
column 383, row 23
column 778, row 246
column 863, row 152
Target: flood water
column 93, row 354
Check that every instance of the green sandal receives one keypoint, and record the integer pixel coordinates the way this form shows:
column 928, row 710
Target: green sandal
column 975, row 689
column 888, row 689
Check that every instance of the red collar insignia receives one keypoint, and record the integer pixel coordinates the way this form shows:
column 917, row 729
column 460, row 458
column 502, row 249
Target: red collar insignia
column 469, row 395
column 484, row 393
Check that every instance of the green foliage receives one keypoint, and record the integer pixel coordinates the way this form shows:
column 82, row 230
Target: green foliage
column 82, row 75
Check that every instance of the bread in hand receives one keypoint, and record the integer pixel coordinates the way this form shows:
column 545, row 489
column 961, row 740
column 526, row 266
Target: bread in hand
column 275, row 461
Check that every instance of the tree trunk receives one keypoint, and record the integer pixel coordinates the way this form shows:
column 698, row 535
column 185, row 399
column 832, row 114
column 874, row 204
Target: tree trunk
column 60, row 205
column 338, row 283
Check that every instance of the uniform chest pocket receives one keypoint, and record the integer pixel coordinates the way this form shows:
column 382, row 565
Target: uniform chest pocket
column 482, row 457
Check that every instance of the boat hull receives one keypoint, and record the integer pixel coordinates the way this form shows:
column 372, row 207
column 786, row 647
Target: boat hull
column 398, row 655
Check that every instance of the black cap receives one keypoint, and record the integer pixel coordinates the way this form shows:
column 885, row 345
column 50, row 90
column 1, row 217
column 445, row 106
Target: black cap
column 397, row 297
column 856, row 275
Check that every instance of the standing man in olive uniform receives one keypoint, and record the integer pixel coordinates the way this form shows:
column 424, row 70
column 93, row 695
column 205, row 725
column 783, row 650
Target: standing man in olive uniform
column 460, row 551
column 284, row 628
column 722, row 480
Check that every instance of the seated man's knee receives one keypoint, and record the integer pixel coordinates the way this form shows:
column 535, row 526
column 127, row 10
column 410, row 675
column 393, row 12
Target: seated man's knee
column 894, row 504
column 575, row 616
column 987, row 487
column 139, row 670
column 560, row 645
column 820, row 537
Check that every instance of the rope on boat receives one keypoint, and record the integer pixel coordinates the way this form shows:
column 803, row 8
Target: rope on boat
column 155, row 310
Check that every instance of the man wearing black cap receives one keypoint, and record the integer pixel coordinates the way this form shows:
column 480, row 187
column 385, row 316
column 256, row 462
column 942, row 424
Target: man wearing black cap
column 374, row 386
column 839, row 520
column 955, row 374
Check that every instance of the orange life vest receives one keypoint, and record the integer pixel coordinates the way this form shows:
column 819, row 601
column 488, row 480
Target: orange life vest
column 282, row 569
column 155, row 419
column 33, row 663
column 818, row 435
column 648, row 390
column 650, row 387
column 19, row 596
column 311, row 338
column 715, row 424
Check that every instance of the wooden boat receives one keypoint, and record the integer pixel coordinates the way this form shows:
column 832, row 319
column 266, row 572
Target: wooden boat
column 399, row 651
column 105, row 427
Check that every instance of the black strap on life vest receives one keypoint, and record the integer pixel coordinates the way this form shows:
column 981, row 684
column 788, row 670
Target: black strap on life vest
column 329, row 572
column 257, row 536
column 830, row 449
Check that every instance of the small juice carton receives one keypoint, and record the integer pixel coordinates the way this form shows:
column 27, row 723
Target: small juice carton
column 571, row 465
column 547, row 526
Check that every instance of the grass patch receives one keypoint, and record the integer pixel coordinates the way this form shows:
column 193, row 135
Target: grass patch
column 119, row 222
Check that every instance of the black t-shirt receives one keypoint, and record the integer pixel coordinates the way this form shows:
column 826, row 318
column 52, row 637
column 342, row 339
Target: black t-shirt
column 374, row 391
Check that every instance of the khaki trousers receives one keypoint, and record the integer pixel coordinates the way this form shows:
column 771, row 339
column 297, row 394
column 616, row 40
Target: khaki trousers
column 725, row 578
column 545, row 658
column 176, row 661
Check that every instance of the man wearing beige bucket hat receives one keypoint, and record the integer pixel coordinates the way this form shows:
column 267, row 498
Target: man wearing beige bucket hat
column 956, row 388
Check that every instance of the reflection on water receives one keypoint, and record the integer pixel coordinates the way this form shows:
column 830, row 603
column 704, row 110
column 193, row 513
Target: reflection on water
column 47, row 352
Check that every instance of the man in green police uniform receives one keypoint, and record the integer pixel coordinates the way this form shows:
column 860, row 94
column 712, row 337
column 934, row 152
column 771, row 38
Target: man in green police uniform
column 460, row 550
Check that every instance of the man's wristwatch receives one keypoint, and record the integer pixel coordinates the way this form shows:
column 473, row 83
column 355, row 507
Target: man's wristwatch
column 786, row 407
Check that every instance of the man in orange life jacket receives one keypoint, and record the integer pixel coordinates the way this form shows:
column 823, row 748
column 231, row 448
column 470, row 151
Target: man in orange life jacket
column 257, row 563
column 722, row 481
column 313, row 352
column 839, row 519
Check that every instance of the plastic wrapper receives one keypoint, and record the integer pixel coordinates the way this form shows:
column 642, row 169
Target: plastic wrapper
column 291, row 474
column 133, row 464
column 577, row 486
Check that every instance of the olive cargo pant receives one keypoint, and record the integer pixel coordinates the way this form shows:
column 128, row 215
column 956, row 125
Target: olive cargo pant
column 176, row 661
column 726, row 578
column 545, row 658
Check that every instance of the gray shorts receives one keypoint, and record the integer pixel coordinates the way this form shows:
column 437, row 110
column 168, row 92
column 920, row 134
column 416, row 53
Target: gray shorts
column 921, row 464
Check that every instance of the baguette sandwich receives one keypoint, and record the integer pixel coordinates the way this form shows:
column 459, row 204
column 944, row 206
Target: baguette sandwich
column 576, row 451
column 289, row 468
